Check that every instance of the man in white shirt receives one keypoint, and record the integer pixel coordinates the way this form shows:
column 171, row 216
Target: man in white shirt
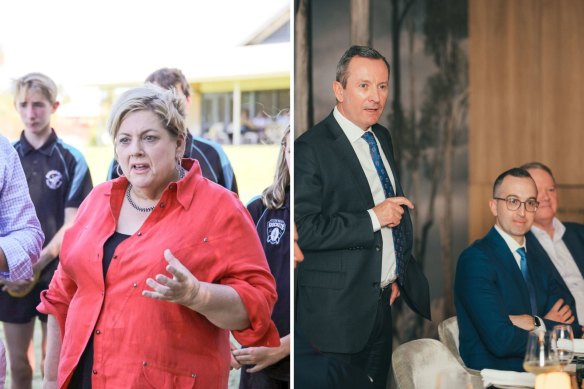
column 562, row 244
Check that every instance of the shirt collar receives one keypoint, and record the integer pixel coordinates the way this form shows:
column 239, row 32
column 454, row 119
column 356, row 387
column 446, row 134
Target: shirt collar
column 559, row 230
column 186, row 188
column 511, row 243
column 46, row 148
column 351, row 130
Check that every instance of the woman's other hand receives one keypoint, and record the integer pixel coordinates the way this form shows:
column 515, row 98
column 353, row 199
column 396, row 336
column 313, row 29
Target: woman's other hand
column 233, row 364
column 262, row 357
column 182, row 288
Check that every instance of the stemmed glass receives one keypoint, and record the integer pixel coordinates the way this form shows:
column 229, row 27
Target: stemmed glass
column 540, row 355
column 563, row 338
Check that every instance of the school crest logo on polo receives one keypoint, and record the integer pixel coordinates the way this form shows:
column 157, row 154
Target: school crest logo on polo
column 276, row 228
column 54, row 179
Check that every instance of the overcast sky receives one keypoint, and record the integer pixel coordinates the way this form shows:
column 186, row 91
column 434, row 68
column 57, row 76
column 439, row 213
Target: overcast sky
column 73, row 40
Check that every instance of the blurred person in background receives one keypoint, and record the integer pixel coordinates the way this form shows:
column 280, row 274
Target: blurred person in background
column 212, row 159
column 161, row 231
column 58, row 180
column 21, row 236
column 270, row 366
column 561, row 244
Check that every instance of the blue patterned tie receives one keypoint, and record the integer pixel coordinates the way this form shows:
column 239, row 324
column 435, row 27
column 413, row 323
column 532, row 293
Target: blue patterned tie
column 398, row 234
column 527, row 278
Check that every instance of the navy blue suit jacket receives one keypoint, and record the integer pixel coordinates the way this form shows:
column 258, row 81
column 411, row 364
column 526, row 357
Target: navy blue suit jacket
column 489, row 287
column 574, row 240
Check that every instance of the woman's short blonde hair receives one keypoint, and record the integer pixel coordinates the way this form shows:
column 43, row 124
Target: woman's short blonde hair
column 36, row 81
column 167, row 105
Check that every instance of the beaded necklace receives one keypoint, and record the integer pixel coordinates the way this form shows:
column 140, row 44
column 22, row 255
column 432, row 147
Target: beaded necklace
column 181, row 175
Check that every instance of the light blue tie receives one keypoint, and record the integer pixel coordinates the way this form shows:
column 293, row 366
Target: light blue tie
column 398, row 234
column 527, row 278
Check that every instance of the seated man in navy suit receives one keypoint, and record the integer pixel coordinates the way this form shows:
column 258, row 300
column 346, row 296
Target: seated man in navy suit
column 560, row 244
column 499, row 297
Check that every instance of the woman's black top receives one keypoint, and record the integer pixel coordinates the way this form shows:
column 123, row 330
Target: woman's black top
column 82, row 375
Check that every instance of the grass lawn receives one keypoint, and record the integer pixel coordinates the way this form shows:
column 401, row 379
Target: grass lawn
column 254, row 167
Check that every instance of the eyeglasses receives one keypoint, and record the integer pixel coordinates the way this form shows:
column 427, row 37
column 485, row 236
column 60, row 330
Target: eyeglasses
column 513, row 204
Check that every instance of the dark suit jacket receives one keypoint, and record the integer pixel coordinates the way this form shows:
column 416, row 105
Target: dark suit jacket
column 314, row 370
column 574, row 240
column 489, row 287
column 338, row 282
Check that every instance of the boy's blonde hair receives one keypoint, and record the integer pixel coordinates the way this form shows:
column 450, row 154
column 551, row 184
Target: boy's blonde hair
column 37, row 81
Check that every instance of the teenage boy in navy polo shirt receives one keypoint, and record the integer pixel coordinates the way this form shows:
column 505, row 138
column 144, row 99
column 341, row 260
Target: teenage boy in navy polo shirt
column 58, row 180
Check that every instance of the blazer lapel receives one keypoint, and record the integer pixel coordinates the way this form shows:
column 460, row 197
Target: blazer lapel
column 509, row 265
column 346, row 153
column 536, row 249
column 574, row 245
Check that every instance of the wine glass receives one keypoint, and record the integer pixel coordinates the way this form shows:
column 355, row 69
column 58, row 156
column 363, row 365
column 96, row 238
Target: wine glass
column 563, row 338
column 540, row 355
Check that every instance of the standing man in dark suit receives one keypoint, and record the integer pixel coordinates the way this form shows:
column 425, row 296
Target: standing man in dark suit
column 354, row 224
column 560, row 244
column 499, row 296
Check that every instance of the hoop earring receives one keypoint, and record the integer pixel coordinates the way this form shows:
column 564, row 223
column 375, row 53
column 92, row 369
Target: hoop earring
column 119, row 171
column 181, row 172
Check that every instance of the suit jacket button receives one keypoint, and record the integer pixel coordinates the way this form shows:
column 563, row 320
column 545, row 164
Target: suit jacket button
column 377, row 248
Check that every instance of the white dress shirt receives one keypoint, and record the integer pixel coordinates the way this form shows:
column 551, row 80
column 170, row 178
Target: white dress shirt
column 361, row 147
column 564, row 262
column 512, row 244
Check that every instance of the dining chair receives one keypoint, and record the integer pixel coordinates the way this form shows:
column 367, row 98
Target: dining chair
column 418, row 363
column 448, row 334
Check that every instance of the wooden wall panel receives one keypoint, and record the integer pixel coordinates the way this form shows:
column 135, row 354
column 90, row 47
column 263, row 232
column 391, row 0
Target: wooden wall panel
column 526, row 94
column 563, row 88
column 562, row 138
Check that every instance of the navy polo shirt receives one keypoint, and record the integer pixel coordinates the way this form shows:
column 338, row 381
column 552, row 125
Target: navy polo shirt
column 273, row 227
column 58, row 177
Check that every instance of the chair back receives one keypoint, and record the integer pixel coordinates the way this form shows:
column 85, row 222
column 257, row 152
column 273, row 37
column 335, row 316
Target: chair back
column 417, row 365
column 2, row 365
column 448, row 334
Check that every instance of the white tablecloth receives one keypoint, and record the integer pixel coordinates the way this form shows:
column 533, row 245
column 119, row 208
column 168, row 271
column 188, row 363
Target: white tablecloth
column 510, row 379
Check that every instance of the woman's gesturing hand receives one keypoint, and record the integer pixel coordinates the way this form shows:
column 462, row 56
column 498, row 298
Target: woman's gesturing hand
column 182, row 288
